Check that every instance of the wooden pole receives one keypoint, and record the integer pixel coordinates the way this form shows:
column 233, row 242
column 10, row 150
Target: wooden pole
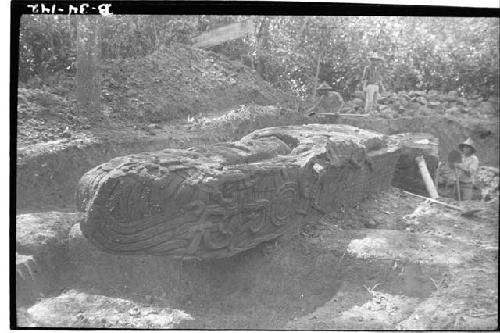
column 457, row 185
column 424, row 172
column 436, row 177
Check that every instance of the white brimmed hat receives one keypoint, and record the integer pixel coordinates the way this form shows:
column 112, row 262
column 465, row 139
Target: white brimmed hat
column 324, row 86
column 468, row 143
column 375, row 56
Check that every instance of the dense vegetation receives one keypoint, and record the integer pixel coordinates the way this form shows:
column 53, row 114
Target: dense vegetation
column 420, row 53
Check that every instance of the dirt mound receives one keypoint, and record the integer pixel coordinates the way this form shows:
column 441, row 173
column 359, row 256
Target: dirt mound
column 44, row 115
column 36, row 232
column 106, row 312
column 181, row 81
column 172, row 83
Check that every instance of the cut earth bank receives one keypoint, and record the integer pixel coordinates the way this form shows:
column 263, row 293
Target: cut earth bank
column 335, row 271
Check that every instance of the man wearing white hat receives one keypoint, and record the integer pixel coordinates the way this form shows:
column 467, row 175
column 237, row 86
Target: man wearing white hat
column 468, row 168
column 372, row 81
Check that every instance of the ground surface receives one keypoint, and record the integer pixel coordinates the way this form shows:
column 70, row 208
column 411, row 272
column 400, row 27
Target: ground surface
column 393, row 262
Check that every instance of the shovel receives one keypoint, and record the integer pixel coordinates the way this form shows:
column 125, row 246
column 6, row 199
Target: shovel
column 457, row 184
column 455, row 157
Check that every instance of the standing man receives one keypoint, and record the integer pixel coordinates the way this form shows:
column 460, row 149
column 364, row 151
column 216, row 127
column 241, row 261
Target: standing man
column 372, row 81
column 468, row 168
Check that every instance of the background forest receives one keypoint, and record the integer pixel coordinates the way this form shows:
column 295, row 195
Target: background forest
column 441, row 53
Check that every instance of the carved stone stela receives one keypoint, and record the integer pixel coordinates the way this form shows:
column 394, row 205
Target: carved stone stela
column 220, row 200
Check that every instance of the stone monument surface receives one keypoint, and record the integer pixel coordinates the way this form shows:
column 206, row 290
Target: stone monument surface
column 216, row 201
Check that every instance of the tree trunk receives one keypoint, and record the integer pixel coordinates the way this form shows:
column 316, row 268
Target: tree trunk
column 301, row 35
column 87, row 76
column 73, row 28
column 316, row 76
column 260, row 43
column 155, row 31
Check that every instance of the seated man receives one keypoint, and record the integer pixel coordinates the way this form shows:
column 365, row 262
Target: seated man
column 330, row 101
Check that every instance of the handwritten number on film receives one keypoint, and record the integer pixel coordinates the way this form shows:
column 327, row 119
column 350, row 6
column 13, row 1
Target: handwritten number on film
column 84, row 8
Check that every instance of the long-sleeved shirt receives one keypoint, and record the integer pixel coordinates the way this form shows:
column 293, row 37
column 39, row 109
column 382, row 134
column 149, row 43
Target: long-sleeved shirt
column 468, row 169
column 372, row 75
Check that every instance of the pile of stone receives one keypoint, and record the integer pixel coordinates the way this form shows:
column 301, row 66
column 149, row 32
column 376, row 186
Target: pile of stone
column 487, row 181
column 427, row 103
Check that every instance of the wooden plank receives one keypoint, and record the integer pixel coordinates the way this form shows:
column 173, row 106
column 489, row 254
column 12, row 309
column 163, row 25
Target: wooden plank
column 465, row 213
column 223, row 34
column 436, row 201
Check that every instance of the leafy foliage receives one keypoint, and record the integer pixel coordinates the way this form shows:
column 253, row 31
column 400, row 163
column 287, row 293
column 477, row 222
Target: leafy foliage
column 420, row 52
column 45, row 46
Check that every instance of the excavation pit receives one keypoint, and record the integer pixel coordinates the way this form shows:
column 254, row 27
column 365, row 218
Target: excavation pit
column 375, row 264
column 364, row 268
